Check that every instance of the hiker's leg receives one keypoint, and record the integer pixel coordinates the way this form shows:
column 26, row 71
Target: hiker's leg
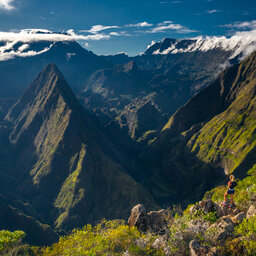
column 232, row 198
column 225, row 196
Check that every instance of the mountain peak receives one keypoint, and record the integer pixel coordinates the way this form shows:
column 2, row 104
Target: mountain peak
column 51, row 69
column 49, row 84
column 63, row 159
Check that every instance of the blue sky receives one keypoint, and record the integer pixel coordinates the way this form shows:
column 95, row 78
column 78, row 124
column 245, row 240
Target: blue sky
column 129, row 26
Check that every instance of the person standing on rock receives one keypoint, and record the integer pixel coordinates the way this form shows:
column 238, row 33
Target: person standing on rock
column 231, row 190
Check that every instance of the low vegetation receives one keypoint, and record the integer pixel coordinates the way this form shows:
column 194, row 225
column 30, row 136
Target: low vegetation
column 10, row 242
column 106, row 238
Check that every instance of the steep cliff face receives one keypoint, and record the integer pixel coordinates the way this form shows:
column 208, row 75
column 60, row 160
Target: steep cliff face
column 65, row 167
column 228, row 139
column 211, row 135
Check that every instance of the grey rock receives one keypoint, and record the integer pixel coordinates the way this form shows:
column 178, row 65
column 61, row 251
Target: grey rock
column 139, row 218
column 239, row 217
column 251, row 212
column 204, row 206
column 154, row 221
column 224, row 210
column 196, row 249
column 222, row 229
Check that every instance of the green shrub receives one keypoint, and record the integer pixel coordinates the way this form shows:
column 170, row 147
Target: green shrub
column 106, row 238
column 9, row 240
column 247, row 229
column 211, row 216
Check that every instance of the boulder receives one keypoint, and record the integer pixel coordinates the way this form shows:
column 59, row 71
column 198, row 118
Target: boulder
column 204, row 206
column 224, row 210
column 159, row 243
column 158, row 221
column 154, row 221
column 208, row 205
column 251, row 212
column 196, row 249
column 239, row 218
column 222, row 229
column 198, row 226
column 139, row 218
column 218, row 210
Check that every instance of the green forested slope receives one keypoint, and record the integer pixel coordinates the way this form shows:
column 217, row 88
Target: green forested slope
column 213, row 134
column 64, row 166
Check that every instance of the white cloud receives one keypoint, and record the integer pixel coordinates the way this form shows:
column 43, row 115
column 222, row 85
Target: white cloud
column 141, row 27
column 165, row 22
column 97, row 28
column 152, row 43
column 114, row 34
column 33, row 35
column 121, row 53
column 241, row 25
column 7, row 51
column 140, row 24
column 27, row 36
column 6, row 5
column 213, row 11
column 169, row 25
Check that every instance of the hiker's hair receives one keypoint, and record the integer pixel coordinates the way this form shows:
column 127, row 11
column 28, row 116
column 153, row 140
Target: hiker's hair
column 232, row 177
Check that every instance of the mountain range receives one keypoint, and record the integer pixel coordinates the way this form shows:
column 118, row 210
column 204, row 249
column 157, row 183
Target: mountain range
column 64, row 166
column 117, row 132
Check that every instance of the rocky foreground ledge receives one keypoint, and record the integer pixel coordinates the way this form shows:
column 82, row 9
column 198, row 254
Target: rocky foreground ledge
column 159, row 223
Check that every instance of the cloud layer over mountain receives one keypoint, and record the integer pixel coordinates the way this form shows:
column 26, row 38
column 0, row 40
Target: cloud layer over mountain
column 242, row 43
column 17, row 44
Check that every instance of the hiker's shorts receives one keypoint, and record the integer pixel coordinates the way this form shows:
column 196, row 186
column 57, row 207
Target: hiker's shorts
column 231, row 191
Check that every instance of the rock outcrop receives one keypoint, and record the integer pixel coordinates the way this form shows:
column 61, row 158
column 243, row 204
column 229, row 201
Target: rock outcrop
column 206, row 206
column 251, row 212
column 154, row 221
column 196, row 249
column 222, row 229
